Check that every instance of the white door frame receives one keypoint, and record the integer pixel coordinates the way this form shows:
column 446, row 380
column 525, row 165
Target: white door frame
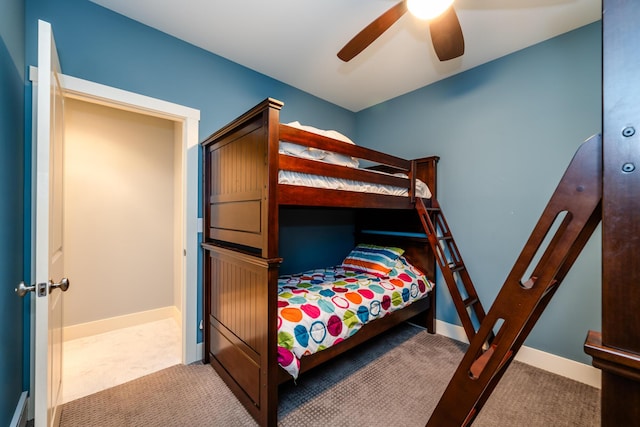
column 85, row 90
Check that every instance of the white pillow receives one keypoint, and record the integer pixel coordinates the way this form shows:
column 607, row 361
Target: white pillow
column 318, row 154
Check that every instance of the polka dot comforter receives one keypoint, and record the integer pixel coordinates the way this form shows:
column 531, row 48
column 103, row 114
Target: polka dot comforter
column 320, row 308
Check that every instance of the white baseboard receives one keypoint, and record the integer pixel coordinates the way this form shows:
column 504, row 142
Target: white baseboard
column 113, row 323
column 546, row 361
column 20, row 415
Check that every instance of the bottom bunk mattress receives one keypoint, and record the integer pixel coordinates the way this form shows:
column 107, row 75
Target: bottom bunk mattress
column 320, row 308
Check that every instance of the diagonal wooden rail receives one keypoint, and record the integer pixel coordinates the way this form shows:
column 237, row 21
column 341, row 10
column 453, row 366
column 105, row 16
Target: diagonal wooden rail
column 569, row 219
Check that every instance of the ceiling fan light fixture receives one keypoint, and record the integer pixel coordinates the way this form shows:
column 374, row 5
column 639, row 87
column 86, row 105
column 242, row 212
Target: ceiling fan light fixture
column 428, row 9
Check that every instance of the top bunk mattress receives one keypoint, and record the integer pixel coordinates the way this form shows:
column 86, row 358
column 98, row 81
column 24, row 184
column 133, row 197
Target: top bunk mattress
column 332, row 183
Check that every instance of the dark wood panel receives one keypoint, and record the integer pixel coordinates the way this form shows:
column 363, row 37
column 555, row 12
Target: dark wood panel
column 622, row 407
column 230, row 354
column 621, row 176
column 235, row 177
column 425, row 170
column 240, row 216
column 239, row 167
column 240, row 339
column 238, row 297
column 620, row 213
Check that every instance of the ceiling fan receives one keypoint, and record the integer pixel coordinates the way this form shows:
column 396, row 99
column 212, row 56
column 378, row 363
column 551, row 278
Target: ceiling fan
column 446, row 33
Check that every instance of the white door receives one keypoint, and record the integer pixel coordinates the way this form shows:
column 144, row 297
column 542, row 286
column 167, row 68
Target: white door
column 48, row 234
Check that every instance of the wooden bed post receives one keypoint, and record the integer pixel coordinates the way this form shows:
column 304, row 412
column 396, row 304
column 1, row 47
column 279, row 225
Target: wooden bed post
column 617, row 350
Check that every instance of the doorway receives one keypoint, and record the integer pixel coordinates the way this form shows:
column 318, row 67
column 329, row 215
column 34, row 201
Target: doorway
column 186, row 127
column 122, row 226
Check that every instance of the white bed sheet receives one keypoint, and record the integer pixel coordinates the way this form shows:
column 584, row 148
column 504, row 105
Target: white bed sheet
column 317, row 181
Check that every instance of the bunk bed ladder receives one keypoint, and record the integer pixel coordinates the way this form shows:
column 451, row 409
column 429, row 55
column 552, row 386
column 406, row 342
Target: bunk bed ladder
column 569, row 219
column 455, row 274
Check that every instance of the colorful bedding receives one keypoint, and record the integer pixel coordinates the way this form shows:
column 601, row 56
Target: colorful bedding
column 320, row 308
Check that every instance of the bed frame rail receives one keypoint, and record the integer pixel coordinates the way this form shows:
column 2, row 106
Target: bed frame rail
column 310, row 139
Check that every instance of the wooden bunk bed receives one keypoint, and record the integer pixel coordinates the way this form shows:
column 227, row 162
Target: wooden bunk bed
column 242, row 202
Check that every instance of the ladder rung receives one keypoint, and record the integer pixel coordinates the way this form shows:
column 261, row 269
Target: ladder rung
column 450, row 261
column 456, row 267
column 532, row 281
column 479, row 364
column 470, row 301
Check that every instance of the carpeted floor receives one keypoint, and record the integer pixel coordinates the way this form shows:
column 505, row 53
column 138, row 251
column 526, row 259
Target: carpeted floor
column 396, row 380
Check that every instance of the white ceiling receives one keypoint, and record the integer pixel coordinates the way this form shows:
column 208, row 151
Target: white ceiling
column 296, row 41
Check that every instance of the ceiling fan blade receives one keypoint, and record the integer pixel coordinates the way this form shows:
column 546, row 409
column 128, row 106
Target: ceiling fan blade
column 372, row 31
column 446, row 35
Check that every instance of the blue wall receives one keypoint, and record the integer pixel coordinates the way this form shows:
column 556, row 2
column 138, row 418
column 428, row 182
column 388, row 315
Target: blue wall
column 505, row 132
column 11, row 204
column 313, row 238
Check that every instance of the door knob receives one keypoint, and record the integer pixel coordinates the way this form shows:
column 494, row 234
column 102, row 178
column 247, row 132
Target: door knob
column 63, row 285
column 23, row 289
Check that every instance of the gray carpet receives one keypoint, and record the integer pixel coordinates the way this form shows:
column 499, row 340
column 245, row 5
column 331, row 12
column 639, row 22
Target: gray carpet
column 396, row 380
